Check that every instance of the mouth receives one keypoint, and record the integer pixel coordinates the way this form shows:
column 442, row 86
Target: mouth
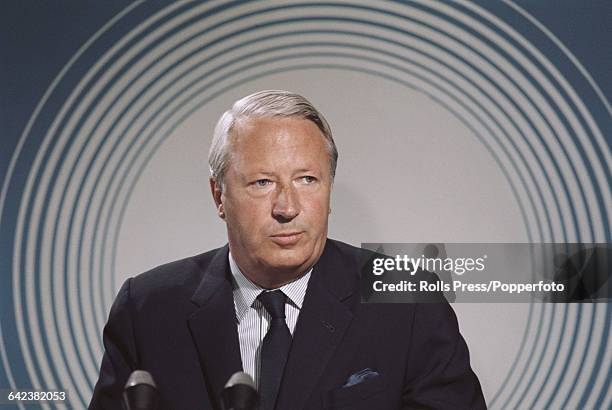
column 287, row 238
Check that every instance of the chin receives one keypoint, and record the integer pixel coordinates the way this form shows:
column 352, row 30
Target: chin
column 288, row 258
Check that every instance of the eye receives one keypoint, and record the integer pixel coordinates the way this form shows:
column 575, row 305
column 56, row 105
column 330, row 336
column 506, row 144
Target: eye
column 308, row 179
column 262, row 182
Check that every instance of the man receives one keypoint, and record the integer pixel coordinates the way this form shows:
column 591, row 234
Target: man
column 280, row 301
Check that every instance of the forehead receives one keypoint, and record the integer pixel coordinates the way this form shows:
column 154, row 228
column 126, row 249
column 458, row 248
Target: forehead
column 276, row 140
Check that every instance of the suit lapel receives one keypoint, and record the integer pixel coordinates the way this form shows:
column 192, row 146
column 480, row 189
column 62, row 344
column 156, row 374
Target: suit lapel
column 322, row 323
column 213, row 327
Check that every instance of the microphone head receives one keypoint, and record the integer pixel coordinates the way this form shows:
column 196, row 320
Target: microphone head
column 240, row 378
column 240, row 393
column 140, row 377
column 140, row 392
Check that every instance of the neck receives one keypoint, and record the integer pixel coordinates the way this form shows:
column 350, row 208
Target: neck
column 272, row 280
column 269, row 277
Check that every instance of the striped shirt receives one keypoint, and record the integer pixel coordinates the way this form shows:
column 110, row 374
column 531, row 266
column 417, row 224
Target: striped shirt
column 253, row 319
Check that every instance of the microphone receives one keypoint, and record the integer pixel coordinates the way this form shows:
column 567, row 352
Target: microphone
column 240, row 393
column 140, row 392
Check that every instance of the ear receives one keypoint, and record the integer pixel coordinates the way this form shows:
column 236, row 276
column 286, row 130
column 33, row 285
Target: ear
column 215, row 190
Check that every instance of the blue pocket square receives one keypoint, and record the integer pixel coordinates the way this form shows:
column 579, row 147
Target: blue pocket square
column 360, row 377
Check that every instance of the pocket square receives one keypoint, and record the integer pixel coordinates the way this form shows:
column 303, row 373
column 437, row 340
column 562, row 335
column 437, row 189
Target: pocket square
column 360, row 377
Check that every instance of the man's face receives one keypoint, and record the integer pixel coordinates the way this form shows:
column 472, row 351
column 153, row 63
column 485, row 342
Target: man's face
column 275, row 198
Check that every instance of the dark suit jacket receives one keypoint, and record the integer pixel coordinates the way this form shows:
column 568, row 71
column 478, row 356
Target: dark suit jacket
column 178, row 322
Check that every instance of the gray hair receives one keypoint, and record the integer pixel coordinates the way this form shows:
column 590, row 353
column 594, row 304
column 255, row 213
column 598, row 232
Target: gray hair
column 268, row 103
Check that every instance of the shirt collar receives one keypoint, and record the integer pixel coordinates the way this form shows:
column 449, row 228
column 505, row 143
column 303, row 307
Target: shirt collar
column 246, row 292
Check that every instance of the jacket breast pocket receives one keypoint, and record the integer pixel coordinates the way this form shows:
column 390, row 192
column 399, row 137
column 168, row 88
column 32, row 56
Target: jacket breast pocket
column 358, row 396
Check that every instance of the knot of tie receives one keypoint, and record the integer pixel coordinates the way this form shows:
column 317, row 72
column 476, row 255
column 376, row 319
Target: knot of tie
column 274, row 303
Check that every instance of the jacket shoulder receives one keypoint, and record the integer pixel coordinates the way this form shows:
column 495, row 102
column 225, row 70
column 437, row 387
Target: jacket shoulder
column 349, row 253
column 356, row 259
column 173, row 280
column 345, row 249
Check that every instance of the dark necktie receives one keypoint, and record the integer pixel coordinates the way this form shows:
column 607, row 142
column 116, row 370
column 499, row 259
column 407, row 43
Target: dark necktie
column 275, row 348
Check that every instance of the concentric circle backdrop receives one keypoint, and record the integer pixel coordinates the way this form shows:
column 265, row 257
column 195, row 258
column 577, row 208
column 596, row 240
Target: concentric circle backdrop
column 453, row 124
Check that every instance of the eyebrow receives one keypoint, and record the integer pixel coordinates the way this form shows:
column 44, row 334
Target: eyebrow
column 250, row 174
column 301, row 170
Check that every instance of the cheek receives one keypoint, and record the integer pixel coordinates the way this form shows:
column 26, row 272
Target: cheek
column 318, row 211
column 249, row 217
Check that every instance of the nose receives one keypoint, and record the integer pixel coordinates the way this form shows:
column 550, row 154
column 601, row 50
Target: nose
column 286, row 204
